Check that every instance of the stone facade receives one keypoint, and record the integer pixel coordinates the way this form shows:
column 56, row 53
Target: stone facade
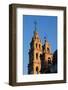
column 40, row 56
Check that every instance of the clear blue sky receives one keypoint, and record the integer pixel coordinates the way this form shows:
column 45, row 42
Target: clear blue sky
column 46, row 27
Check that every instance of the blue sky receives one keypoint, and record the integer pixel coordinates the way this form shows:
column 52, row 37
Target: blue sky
column 46, row 27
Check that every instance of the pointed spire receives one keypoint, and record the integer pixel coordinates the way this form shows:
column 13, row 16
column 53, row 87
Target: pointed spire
column 45, row 39
column 35, row 27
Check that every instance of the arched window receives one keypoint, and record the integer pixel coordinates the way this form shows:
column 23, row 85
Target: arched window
column 48, row 50
column 36, row 70
column 36, row 55
column 36, row 45
column 49, row 60
column 39, row 45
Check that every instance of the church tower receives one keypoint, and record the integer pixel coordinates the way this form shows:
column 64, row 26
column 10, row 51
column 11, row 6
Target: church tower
column 34, row 66
column 47, row 57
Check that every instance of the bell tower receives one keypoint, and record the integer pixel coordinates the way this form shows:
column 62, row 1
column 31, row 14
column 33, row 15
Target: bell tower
column 34, row 66
column 47, row 57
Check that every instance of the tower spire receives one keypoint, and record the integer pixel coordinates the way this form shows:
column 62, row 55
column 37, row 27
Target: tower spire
column 35, row 26
column 45, row 38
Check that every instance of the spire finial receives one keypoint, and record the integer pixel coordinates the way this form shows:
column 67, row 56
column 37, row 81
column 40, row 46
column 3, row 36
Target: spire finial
column 45, row 38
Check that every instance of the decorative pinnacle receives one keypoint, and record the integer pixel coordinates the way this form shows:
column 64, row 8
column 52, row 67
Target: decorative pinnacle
column 45, row 38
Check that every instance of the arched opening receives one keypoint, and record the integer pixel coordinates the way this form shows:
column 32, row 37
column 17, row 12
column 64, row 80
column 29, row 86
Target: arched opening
column 48, row 50
column 49, row 65
column 36, row 45
column 36, row 70
column 49, row 60
column 36, row 55
column 39, row 46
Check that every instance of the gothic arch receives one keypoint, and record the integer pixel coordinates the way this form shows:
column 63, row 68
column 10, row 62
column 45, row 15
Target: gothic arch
column 37, row 70
column 49, row 60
